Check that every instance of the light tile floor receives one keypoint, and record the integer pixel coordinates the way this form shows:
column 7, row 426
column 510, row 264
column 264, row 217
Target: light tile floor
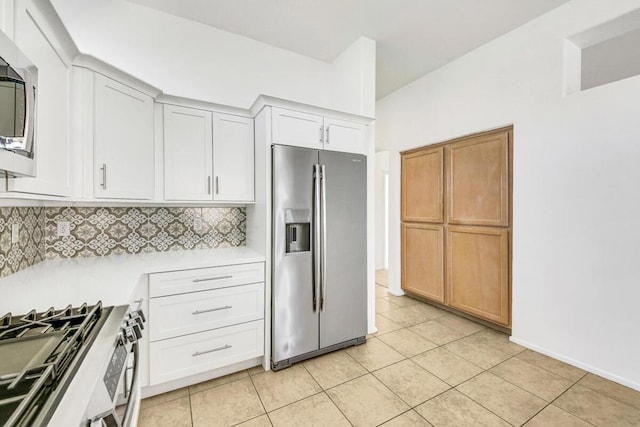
column 424, row 367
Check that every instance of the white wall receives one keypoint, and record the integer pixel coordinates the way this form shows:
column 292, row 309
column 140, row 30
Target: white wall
column 382, row 168
column 192, row 60
column 576, row 283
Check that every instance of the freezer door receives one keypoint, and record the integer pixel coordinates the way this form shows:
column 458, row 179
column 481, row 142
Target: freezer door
column 294, row 314
column 343, row 314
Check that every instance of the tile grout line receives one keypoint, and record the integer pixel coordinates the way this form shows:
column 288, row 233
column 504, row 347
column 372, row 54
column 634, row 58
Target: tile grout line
column 259, row 398
column 190, row 408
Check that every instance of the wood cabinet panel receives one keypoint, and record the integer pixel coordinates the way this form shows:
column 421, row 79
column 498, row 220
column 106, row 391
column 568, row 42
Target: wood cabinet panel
column 478, row 272
column 423, row 260
column 422, row 186
column 478, row 180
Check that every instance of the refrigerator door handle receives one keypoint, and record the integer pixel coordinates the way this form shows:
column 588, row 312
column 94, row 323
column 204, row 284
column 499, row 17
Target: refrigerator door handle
column 316, row 237
column 323, row 260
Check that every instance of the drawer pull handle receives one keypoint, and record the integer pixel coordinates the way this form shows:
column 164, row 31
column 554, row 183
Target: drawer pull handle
column 208, row 279
column 200, row 353
column 226, row 307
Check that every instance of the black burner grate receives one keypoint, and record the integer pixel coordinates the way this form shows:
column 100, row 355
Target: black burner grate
column 35, row 351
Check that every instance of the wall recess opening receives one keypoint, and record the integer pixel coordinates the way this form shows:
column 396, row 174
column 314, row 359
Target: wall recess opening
column 603, row 54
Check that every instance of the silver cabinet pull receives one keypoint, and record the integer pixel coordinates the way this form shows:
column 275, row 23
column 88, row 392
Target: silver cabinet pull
column 104, row 176
column 323, row 261
column 209, row 184
column 226, row 307
column 209, row 279
column 321, row 130
column 200, row 353
column 217, row 187
column 327, row 134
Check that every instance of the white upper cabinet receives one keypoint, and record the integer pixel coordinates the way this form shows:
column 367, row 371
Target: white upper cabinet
column 123, row 142
column 298, row 129
column 51, row 52
column 312, row 131
column 341, row 135
column 233, row 158
column 207, row 156
column 187, row 153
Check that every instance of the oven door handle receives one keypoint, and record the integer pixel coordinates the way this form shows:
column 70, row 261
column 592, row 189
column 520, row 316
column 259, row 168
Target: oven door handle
column 128, row 412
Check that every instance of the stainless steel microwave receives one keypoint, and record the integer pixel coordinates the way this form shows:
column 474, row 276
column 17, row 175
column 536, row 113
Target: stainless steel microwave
column 17, row 110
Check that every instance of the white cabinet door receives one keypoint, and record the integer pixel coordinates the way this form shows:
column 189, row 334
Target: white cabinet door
column 123, row 142
column 297, row 129
column 36, row 36
column 233, row 158
column 340, row 135
column 187, row 154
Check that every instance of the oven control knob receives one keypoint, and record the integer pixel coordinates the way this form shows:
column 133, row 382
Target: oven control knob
column 130, row 334
column 134, row 316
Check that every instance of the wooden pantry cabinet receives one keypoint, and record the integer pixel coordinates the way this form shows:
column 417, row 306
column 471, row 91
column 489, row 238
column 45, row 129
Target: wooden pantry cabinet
column 456, row 224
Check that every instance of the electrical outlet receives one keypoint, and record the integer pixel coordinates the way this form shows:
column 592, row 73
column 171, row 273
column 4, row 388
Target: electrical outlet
column 15, row 233
column 197, row 223
column 64, row 228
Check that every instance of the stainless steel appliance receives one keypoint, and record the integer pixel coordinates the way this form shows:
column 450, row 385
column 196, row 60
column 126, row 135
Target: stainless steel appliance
column 48, row 364
column 17, row 110
column 319, row 253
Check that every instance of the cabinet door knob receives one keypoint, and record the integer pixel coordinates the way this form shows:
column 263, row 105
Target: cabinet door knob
column 327, row 134
column 209, row 184
column 217, row 187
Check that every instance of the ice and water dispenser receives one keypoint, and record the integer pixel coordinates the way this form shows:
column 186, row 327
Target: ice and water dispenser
column 298, row 229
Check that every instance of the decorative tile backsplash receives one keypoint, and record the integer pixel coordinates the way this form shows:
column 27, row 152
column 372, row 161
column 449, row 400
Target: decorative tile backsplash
column 99, row 231
column 29, row 247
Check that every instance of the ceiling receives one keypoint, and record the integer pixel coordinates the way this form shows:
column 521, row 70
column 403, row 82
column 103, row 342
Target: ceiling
column 413, row 37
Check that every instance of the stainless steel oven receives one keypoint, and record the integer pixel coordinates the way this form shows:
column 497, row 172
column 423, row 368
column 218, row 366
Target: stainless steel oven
column 116, row 397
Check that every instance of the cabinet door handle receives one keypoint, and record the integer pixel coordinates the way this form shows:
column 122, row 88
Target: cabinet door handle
column 209, row 184
column 327, row 134
column 321, row 134
column 104, row 176
column 200, row 353
column 217, row 186
column 209, row 279
column 209, row 310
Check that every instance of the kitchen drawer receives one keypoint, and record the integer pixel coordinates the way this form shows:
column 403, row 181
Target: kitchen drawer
column 192, row 354
column 203, row 279
column 183, row 314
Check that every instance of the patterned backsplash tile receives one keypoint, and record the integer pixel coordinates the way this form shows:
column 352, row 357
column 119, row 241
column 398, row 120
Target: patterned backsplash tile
column 100, row 231
column 29, row 247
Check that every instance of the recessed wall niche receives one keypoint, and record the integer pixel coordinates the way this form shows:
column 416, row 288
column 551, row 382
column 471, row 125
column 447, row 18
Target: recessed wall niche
column 603, row 54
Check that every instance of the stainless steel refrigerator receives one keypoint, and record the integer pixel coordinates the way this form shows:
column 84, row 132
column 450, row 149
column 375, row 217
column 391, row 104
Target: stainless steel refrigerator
column 319, row 253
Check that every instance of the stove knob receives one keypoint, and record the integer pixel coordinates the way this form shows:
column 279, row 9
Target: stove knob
column 135, row 317
column 137, row 330
column 130, row 334
column 140, row 314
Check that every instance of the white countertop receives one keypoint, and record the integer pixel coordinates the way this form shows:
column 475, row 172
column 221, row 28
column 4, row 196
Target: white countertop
column 111, row 279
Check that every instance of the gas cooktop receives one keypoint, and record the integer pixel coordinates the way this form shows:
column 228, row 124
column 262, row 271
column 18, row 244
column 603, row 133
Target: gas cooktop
column 39, row 352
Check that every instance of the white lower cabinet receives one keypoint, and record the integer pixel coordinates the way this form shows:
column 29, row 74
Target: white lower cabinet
column 188, row 313
column 180, row 357
column 204, row 319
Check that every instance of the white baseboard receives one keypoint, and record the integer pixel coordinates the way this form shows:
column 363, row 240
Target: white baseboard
column 198, row 378
column 372, row 330
column 396, row 292
column 578, row 364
